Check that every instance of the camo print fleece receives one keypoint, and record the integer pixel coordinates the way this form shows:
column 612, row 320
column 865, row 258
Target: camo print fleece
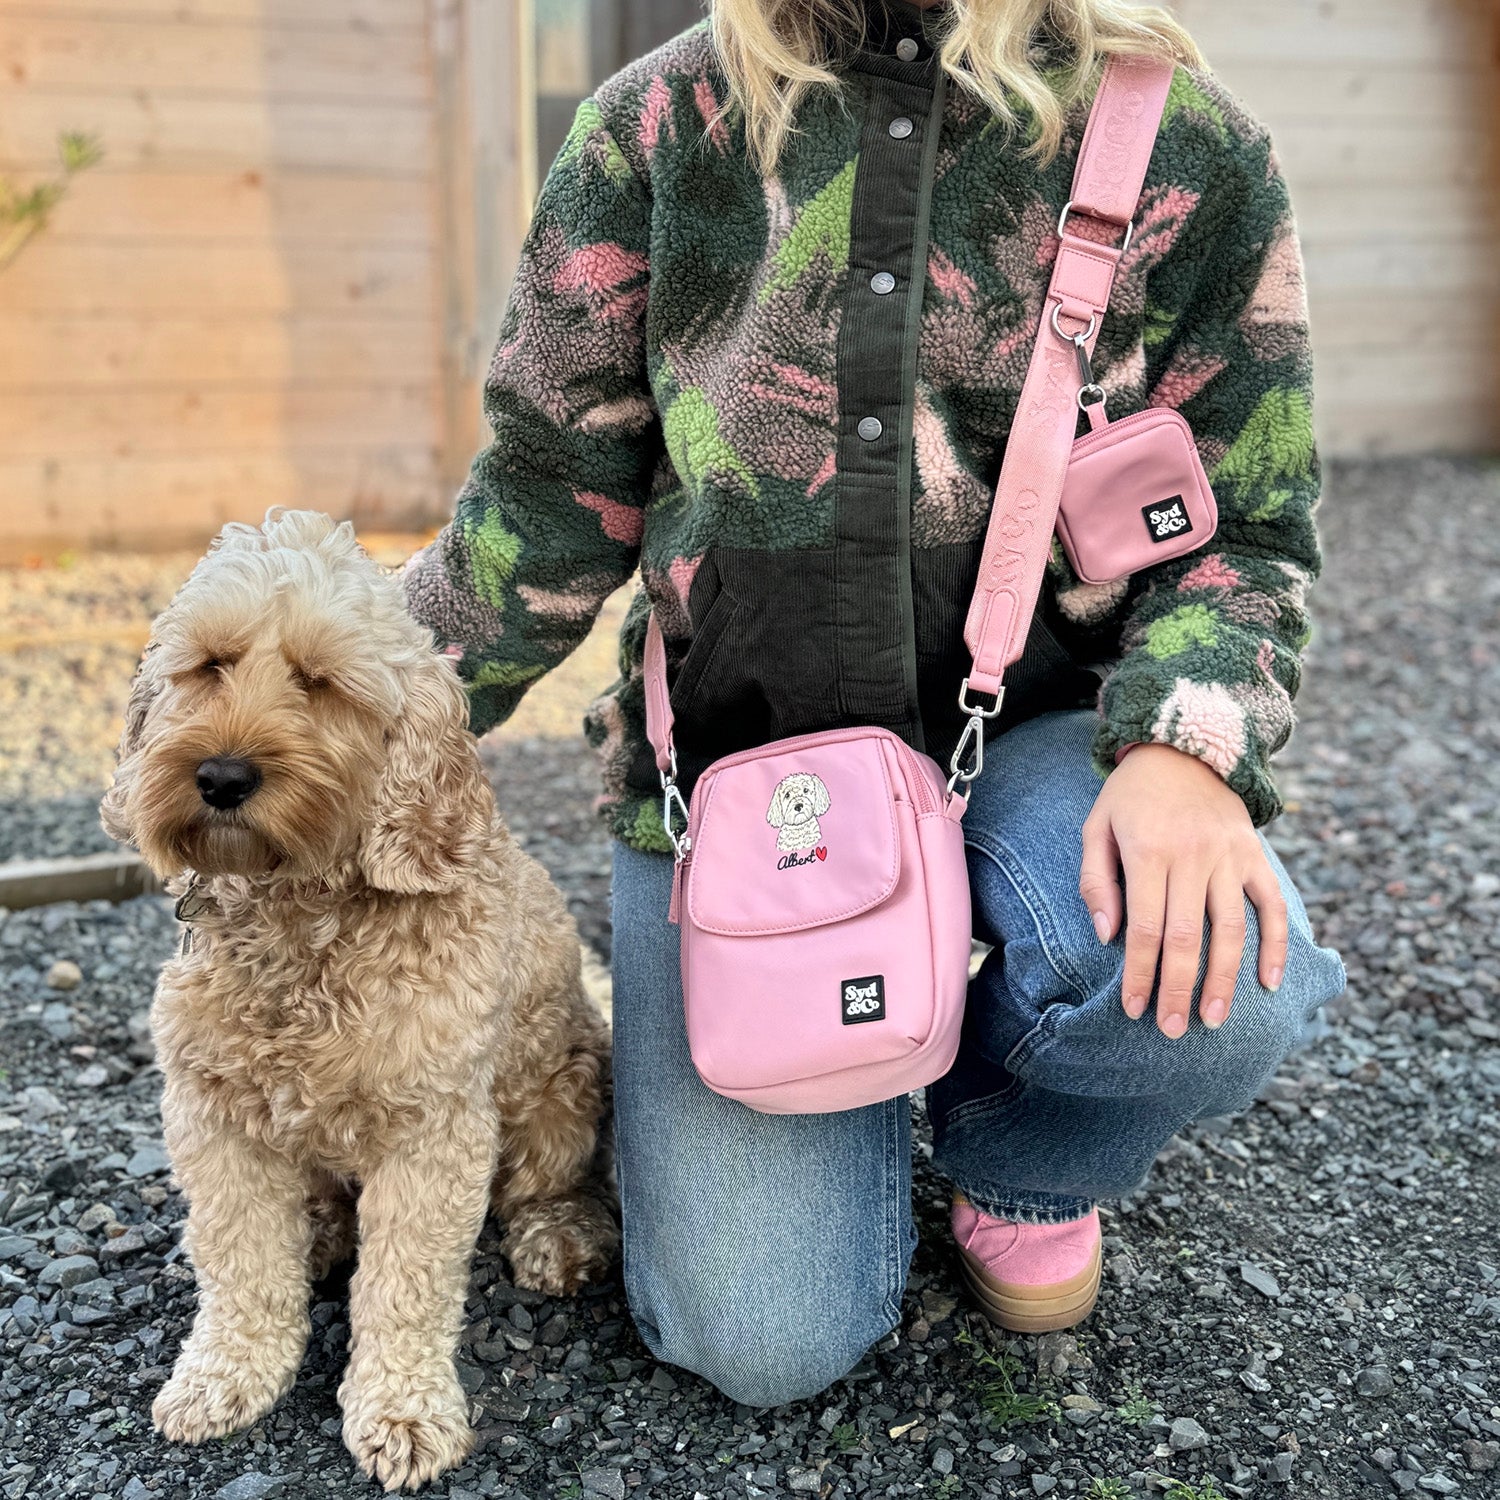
column 664, row 386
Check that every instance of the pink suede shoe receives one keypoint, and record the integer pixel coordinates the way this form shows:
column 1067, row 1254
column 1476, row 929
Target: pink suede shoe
column 1029, row 1278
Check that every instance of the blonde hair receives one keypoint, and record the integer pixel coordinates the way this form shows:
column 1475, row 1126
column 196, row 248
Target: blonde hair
column 775, row 51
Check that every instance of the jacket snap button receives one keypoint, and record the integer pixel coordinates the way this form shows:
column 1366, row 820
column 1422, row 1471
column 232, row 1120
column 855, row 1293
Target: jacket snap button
column 882, row 282
column 906, row 49
column 901, row 127
column 870, row 428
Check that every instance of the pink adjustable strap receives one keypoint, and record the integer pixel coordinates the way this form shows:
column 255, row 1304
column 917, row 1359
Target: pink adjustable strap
column 1107, row 183
column 1107, row 186
column 658, row 703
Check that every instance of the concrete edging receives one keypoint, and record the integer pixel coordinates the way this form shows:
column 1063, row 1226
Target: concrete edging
column 86, row 877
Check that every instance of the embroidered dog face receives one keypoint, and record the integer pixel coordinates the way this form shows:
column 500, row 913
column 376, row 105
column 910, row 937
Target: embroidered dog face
column 290, row 715
column 796, row 805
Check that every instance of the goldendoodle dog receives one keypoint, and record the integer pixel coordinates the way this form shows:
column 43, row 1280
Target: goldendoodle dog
column 376, row 1025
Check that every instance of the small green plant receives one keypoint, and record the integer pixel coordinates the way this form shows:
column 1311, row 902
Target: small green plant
column 24, row 214
column 949, row 1486
column 1002, row 1403
column 122, row 1428
column 1205, row 1489
column 845, row 1437
column 1136, row 1411
column 1107, row 1489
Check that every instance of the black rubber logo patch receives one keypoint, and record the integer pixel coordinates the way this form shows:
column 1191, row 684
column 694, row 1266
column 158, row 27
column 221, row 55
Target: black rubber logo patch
column 1167, row 519
column 863, row 999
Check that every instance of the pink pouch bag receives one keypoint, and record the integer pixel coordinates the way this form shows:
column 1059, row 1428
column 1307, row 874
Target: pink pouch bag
column 1135, row 494
column 820, row 885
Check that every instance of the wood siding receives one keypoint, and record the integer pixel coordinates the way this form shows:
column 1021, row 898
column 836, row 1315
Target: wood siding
column 241, row 306
column 282, row 284
column 1385, row 116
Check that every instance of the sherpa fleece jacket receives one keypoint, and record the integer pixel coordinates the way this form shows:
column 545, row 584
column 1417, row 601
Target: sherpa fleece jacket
column 785, row 400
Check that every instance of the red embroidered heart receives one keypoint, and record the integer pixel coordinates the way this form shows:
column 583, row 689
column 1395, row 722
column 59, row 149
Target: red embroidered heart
column 822, row 853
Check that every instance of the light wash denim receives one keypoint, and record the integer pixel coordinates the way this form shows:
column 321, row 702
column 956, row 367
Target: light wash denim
column 768, row 1252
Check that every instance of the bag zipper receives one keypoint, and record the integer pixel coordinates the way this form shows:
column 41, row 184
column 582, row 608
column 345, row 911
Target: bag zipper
column 922, row 795
column 1096, row 436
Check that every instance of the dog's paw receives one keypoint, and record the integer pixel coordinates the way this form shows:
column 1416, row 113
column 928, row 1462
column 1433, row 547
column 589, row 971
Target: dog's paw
column 557, row 1253
column 406, row 1442
column 209, row 1397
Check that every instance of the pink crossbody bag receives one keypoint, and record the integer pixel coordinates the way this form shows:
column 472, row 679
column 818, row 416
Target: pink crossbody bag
column 820, row 883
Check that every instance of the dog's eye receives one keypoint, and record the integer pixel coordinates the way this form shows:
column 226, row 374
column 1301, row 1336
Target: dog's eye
column 309, row 682
column 216, row 665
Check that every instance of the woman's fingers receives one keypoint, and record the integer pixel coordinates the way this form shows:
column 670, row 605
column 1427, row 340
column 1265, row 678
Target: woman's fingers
column 1099, row 881
column 1226, row 945
column 1145, row 918
column 1264, row 890
column 1182, row 946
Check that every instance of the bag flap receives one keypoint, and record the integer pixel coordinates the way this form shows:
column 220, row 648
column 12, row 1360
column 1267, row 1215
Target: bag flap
column 795, row 838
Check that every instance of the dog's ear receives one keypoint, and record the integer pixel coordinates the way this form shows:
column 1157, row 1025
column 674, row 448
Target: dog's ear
column 145, row 686
column 432, row 807
column 821, row 800
column 776, row 813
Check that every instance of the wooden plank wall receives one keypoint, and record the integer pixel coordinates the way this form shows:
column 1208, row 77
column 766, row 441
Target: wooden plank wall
column 1384, row 113
column 239, row 307
column 282, row 284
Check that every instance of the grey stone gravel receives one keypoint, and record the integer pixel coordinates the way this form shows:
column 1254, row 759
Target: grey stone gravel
column 1376, row 1381
column 1364, row 1185
column 1260, row 1278
column 1187, row 1434
column 68, row 1272
column 149, row 1161
column 254, row 1486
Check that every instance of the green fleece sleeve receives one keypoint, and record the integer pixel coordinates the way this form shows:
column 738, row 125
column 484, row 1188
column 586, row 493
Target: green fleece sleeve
column 1211, row 648
column 549, row 522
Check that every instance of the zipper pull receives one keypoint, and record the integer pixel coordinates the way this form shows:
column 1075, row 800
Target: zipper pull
column 674, row 908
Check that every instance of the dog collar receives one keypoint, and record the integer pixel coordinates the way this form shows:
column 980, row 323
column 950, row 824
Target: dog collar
column 191, row 905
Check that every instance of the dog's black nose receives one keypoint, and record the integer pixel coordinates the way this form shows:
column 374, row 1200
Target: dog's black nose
column 225, row 782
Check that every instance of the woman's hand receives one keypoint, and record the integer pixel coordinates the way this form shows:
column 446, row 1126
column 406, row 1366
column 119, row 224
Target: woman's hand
column 1187, row 847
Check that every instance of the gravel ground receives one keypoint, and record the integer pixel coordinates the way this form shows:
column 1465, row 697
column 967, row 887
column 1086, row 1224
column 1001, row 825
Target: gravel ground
column 1302, row 1302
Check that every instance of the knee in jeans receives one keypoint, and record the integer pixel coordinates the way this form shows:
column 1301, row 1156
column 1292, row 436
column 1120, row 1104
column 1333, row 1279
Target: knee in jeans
column 1265, row 1026
column 774, row 1372
column 758, row 1355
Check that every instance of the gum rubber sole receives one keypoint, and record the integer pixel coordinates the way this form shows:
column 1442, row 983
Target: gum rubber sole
column 1024, row 1309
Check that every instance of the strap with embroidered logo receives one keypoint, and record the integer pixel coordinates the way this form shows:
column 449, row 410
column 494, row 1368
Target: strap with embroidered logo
column 1107, row 185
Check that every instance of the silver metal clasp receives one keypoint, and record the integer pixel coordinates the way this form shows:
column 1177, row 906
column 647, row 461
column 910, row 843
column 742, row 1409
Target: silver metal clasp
column 671, row 801
column 1069, row 338
column 971, row 741
column 1062, row 227
column 977, row 710
column 972, row 737
column 1090, row 392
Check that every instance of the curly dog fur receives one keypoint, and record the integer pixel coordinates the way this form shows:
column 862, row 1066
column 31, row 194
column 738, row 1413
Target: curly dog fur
column 381, row 995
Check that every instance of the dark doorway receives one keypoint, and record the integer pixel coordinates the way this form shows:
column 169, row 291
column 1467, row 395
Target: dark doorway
column 607, row 34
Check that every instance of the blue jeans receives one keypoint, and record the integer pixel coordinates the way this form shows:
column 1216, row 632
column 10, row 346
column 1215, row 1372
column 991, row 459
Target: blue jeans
column 768, row 1252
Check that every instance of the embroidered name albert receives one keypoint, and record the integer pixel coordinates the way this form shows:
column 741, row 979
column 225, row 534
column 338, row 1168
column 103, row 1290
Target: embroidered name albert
column 812, row 857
